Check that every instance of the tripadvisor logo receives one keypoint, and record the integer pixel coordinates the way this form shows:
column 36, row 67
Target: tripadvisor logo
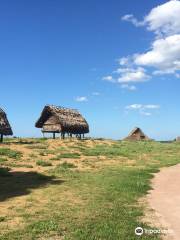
column 139, row 231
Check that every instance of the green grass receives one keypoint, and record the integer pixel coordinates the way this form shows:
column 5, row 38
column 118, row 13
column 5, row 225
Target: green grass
column 10, row 153
column 43, row 163
column 67, row 165
column 120, row 149
column 69, row 155
column 2, row 160
column 32, row 155
column 96, row 205
column 46, row 152
column 11, row 164
column 66, row 155
column 110, row 209
column 37, row 146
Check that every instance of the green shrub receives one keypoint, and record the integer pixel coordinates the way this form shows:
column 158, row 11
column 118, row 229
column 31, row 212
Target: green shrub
column 43, row 163
column 2, row 219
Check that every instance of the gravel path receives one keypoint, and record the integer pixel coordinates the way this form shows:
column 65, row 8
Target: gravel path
column 165, row 200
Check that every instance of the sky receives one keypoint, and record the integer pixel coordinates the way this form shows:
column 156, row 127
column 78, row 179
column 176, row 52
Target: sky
column 116, row 61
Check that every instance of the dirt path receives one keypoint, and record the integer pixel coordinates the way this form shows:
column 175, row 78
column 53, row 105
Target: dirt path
column 165, row 200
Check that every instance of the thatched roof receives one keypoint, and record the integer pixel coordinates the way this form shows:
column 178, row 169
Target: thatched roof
column 59, row 119
column 137, row 134
column 5, row 127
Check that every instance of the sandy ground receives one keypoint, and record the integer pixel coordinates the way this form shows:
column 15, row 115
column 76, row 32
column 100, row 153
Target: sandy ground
column 165, row 200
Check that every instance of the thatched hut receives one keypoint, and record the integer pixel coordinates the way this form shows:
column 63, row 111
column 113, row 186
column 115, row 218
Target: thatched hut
column 55, row 119
column 177, row 139
column 137, row 135
column 5, row 128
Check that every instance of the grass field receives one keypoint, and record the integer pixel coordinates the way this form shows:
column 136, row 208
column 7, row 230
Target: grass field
column 70, row 189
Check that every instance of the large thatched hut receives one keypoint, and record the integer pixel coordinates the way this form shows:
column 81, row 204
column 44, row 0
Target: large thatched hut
column 137, row 135
column 55, row 119
column 5, row 128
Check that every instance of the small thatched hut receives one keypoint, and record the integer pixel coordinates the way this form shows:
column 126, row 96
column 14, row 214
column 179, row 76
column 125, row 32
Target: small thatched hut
column 137, row 135
column 55, row 119
column 5, row 128
column 178, row 139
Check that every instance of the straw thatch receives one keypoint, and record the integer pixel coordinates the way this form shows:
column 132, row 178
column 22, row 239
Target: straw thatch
column 55, row 119
column 137, row 135
column 5, row 128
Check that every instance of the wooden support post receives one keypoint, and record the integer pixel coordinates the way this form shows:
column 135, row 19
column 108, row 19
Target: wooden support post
column 54, row 135
column 62, row 135
column 1, row 138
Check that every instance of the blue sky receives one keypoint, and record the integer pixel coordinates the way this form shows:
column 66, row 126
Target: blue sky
column 107, row 59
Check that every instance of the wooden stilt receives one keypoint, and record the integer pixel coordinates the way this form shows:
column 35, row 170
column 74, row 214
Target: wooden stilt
column 1, row 138
column 54, row 135
column 62, row 135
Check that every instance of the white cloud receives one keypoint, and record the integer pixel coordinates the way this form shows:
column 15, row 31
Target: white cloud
column 164, row 55
column 133, row 75
column 151, row 106
column 133, row 20
column 128, row 87
column 142, row 106
column 142, row 109
column 108, row 78
column 162, row 20
column 124, row 61
column 134, row 106
column 128, row 75
column 164, row 71
column 81, row 99
column 124, row 70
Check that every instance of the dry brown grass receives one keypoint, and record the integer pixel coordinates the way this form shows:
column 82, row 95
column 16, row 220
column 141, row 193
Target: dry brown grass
column 30, row 154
